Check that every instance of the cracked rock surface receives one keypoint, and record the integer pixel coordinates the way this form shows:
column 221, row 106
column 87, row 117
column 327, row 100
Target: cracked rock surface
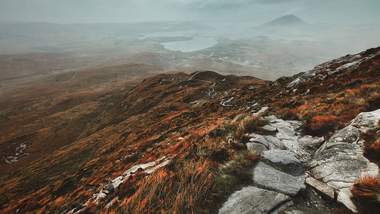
column 288, row 158
column 253, row 200
column 340, row 161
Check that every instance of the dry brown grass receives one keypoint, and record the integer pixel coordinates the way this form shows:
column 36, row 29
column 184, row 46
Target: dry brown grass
column 372, row 151
column 366, row 194
column 367, row 188
column 184, row 189
column 249, row 124
column 321, row 124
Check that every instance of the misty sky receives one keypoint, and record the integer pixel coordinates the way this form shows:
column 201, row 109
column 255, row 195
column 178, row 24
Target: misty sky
column 79, row 11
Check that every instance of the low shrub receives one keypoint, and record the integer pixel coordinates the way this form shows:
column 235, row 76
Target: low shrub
column 366, row 194
column 240, row 163
column 321, row 125
column 372, row 151
column 373, row 103
column 233, row 176
column 249, row 125
column 183, row 190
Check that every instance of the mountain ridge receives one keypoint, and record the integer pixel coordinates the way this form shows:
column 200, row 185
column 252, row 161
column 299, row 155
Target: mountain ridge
column 175, row 126
column 286, row 20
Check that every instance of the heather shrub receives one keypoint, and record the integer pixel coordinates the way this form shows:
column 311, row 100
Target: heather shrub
column 372, row 151
column 366, row 194
column 321, row 125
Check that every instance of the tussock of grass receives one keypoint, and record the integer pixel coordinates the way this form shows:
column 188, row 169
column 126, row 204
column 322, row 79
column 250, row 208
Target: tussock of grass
column 181, row 190
column 367, row 188
column 190, row 186
column 372, row 151
column 233, row 176
column 320, row 125
column 249, row 124
column 366, row 194
column 372, row 144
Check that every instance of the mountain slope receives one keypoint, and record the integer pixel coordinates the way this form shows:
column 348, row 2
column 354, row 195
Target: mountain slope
column 287, row 20
column 181, row 142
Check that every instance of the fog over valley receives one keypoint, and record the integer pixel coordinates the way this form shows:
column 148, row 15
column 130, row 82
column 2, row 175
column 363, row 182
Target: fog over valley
column 190, row 106
column 267, row 39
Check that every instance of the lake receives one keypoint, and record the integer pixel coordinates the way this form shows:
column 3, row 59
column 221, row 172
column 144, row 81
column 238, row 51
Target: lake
column 195, row 44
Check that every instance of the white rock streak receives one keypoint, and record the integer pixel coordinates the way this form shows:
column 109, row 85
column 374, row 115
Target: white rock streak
column 148, row 168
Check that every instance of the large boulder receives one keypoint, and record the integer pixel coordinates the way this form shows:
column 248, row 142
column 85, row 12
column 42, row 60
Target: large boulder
column 253, row 200
column 340, row 161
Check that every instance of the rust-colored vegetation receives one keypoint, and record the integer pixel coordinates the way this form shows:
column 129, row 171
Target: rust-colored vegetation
column 184, row 188
column 366, row 194
column 321, row 125
column 372, row 151
column 82, row 136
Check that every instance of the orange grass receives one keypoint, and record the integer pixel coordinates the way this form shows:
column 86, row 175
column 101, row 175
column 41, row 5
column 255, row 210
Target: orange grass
column 367, row 188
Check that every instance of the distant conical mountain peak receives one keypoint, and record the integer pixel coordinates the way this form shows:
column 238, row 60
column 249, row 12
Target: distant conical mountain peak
column 289, row 19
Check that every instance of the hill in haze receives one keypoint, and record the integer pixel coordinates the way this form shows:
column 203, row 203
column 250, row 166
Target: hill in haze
column 287, row 20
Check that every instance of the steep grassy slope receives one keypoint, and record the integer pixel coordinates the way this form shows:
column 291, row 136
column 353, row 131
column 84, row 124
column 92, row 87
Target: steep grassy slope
column 85, row 147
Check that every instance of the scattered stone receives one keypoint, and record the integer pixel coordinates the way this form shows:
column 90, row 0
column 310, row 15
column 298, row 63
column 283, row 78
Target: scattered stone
column 262, row 111
column 147, row 168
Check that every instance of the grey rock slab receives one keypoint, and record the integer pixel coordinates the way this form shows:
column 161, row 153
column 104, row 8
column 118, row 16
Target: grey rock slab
column 366, row 120
column 269, row 128
column 257, row 147
column 321, row 187
column 270, row 142
column 284, row 160
column 253, row 200
column 309, row 142
column 293, row 212
column 340, row 160
column 270, row 178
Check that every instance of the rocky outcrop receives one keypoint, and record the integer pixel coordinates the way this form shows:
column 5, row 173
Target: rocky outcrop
column 343, row 64
column 331, row 166
column 286, row 137
column 340, row 161
column 280, row 173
